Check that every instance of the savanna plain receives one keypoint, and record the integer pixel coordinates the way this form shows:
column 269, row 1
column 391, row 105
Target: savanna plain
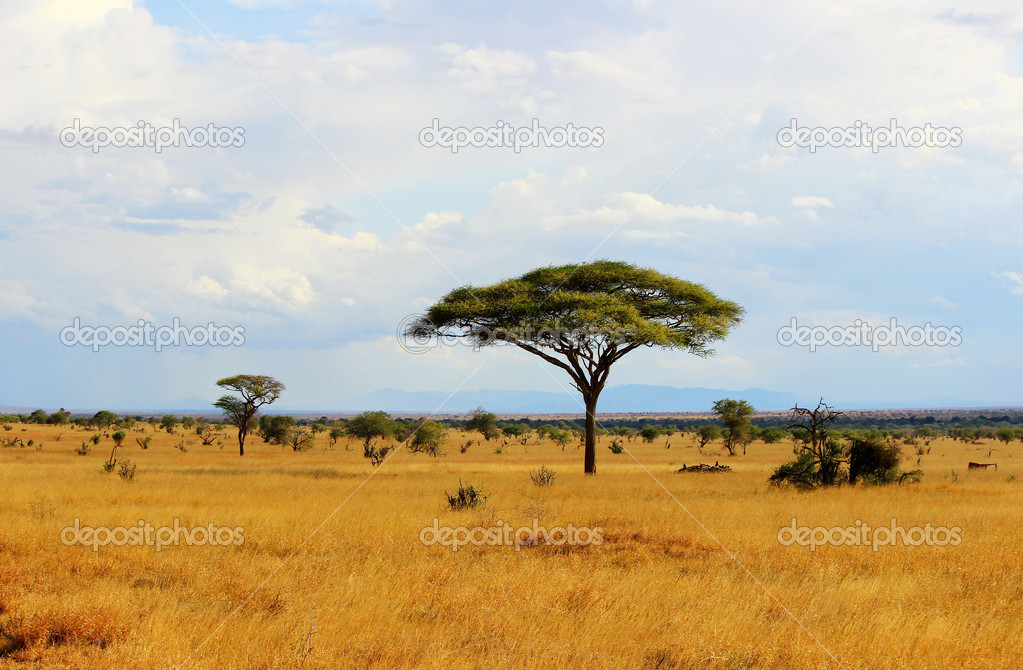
column 689, row 572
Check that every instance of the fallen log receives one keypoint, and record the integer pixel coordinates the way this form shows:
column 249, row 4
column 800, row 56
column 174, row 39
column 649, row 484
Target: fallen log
column 703, row 467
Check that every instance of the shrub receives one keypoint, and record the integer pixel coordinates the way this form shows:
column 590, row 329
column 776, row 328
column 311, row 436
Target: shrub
column 649, row 434
column 95, row 438
column 467, row 496
column 127, row 471
column 119, row 436
column 543, row 477
column 275, row 429
column 808, row 471
column 144, row 441
column 376, row 456
column 84, row 449
column 873, row 461
column 616, row 446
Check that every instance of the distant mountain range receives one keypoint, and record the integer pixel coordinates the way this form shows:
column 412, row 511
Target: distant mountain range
column 614, row 399
column 626, row 398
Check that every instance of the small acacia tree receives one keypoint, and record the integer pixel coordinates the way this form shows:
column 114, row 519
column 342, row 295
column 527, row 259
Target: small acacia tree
column 735, row 415
column 254, row 391
column 483, row 422
column 583, row 319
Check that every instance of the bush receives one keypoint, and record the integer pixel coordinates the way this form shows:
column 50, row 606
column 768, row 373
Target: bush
column 274, row 429
column 873, row 461
column 649, row 434
column 543, row 477
column 808, row 471
column 127, row 471
column 376, row 456
column 616, row 446
column 84, row 449
column 467, row 496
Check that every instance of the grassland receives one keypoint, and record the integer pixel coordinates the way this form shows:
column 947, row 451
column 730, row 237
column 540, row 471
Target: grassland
column 690, row 573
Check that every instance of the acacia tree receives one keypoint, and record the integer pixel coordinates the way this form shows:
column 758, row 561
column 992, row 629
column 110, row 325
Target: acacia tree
column 583, row 319
column 483, row 422
column 735, row 414
column 255, row 391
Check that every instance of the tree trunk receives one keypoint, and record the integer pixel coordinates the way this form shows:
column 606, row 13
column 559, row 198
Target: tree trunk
column 590, row 458
column 241, row 443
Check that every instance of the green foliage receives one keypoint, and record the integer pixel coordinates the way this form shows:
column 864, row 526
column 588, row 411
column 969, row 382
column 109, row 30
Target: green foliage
column 483, row 422
column 240, row 410
column 299, row 438
column 515, row 429
column 873, row 461
column 562, row 437
column 1006, row 435
column 707, row 434
column 427, row 438
column 370, row 426
column 274, row 429
column 103, row 418
column 735, row 414
column 168, row 422
column 583, row 318
column 118, row 437
column 650, row 433
column 772, row 434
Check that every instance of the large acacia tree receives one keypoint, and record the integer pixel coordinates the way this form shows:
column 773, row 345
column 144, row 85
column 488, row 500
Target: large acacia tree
column 583, row 318
column 254, row 391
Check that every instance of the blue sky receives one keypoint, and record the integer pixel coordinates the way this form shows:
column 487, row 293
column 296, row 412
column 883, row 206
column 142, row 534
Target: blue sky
column 332, row 222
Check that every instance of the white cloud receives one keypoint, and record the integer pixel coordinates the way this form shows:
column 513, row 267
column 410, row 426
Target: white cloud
column 1018, row 278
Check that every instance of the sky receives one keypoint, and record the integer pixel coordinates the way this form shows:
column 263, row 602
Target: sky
column 326, row 219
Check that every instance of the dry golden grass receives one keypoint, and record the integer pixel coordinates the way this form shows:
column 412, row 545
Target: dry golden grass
column 332, row 573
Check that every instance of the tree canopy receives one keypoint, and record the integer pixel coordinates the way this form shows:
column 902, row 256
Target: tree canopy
column 254, row 391
column 583, row 318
